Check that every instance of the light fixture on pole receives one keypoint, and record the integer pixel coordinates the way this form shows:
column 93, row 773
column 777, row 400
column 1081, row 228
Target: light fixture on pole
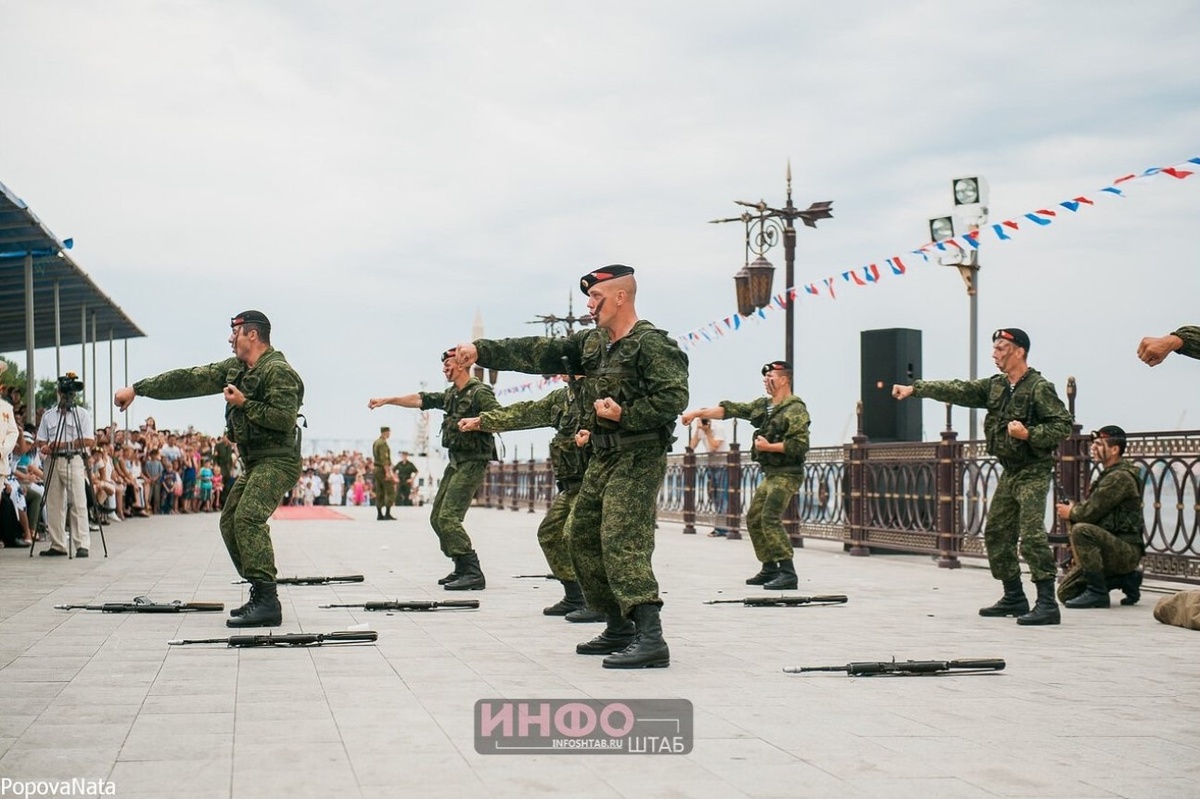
column 764, row 227
column 970, row 213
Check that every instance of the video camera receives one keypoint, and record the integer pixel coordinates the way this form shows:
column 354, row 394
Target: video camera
column 69, row 384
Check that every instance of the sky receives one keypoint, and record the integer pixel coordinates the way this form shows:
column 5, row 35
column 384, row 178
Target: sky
column 373, row 175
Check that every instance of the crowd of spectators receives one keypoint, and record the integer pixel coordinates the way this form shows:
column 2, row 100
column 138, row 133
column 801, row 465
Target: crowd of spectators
column 147, row 472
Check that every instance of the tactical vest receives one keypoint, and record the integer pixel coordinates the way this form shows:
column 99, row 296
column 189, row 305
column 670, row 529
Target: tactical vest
column 461, row 404
column 612, row 372
column 1006, row 404
column 1126, row 520
column 568, row 461
column 773, row 428
column 256, row 442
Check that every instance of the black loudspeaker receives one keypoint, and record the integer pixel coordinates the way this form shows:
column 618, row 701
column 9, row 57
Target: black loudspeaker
column 889, row 357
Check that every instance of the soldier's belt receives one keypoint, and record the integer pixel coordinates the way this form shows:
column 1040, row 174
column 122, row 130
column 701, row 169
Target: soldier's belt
column 606, row 441
column 567, row 485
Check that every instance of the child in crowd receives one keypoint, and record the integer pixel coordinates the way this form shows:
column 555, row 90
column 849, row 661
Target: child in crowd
column 206, row 486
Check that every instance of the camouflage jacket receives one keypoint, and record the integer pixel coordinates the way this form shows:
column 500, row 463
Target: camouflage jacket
column 787, row 422
column 262, row 427
column 1115, row 503
column 558, row 409
column 644, row 372
column 1033, row 402
column 1191, row 341
column 472, row 399
column 381, row 453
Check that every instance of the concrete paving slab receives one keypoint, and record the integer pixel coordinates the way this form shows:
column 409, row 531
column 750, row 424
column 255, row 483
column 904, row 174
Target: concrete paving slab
column 1101, row 706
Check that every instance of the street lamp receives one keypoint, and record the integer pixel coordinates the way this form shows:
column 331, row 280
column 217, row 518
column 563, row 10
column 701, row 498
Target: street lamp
column 763, row 229
column 970, row 213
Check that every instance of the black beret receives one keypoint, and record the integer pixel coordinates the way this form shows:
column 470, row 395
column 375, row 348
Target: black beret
column 448, row 354
column 1111, row 432
column 251, row 317
column 602, row 274
column 1014, row 334
column 776, row 366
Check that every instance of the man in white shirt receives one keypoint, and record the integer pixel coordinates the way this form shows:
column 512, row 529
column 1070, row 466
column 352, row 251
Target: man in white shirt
column 66, row 432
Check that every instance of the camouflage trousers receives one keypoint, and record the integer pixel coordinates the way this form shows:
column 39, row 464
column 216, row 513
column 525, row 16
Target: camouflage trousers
column 1017, row 517
column 764, row 517
column 248, row 504
column 552, row 533
column 385, row 490
column 1096, row 550
column 611, row 528
column 459, row 483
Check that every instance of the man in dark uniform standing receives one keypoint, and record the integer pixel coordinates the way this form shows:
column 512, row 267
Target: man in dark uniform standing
column 381, row 453
column 637, row 383
column 263, row 395
column 781, row 423
column 1107, row 532
column 1025, row 423
column 405, row 471
column 469, row 456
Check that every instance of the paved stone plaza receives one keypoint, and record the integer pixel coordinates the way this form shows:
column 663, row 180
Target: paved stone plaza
column 1101, row 706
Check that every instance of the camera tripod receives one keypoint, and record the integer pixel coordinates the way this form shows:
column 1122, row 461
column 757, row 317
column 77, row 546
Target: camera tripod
column 59, row 451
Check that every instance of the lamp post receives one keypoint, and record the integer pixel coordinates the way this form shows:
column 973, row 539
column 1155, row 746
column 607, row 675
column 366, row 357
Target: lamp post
column 970, row 212
column 764, row 227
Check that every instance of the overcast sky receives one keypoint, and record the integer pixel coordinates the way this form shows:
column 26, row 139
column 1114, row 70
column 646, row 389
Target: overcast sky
column 372, row 174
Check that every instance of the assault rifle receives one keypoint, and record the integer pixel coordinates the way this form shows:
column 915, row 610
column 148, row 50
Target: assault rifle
column 1060, row 498
column 782, row 601
column 143, row 604
column 449, row 604
column 534, row 576
column 867, row 669
column 348, row 578
column 286, row 639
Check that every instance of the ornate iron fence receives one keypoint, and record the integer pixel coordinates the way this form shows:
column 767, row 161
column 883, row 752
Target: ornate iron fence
column 920, row 497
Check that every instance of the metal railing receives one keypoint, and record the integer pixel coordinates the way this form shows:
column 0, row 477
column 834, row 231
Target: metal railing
column 919, row 497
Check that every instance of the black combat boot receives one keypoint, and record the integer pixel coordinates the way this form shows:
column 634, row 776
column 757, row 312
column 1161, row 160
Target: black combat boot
column 617, row 635
column 765, row 574
column 585, row 616
column 1045, row 608
column 387, row 515
column 1131, row 585
column 452, row 576
column 378, row 513
column 1094, row 596
column 470, row 576
column 573, row 600
column 1013, row 603
column 240, row 610
column 785, row 579
column 264, row 610
column 648, row 650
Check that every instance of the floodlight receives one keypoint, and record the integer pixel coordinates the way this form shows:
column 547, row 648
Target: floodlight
column 941, row 228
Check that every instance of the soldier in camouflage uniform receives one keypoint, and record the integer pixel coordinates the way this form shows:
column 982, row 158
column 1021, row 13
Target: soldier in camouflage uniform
column 263, row 395
column 637, row 386
column 1025, row 423
column 381, row 454
column 1185, row 341
column 781, row 422
column 404, row 470
column 1108, row 530
column 469, row 455
column 562, row 410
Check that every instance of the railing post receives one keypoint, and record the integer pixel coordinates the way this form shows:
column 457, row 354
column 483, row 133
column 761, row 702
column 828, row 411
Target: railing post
column 858, row 489
column 532, row 484
column 689, row 491
column 1073, row 468
column 733, row 509
column 948, row 488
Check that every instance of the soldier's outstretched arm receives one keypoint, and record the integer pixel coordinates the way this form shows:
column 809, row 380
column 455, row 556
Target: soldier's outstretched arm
column 404, row 401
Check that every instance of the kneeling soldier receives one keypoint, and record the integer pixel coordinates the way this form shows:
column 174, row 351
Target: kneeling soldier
column 1107, row 531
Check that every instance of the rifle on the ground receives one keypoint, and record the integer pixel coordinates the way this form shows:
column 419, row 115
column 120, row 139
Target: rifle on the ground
column 866, row 669
column 534, row 576
column 782, row 601
column 449, row 604
column 346, row 578
column 286, row 639
column 143, row 604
